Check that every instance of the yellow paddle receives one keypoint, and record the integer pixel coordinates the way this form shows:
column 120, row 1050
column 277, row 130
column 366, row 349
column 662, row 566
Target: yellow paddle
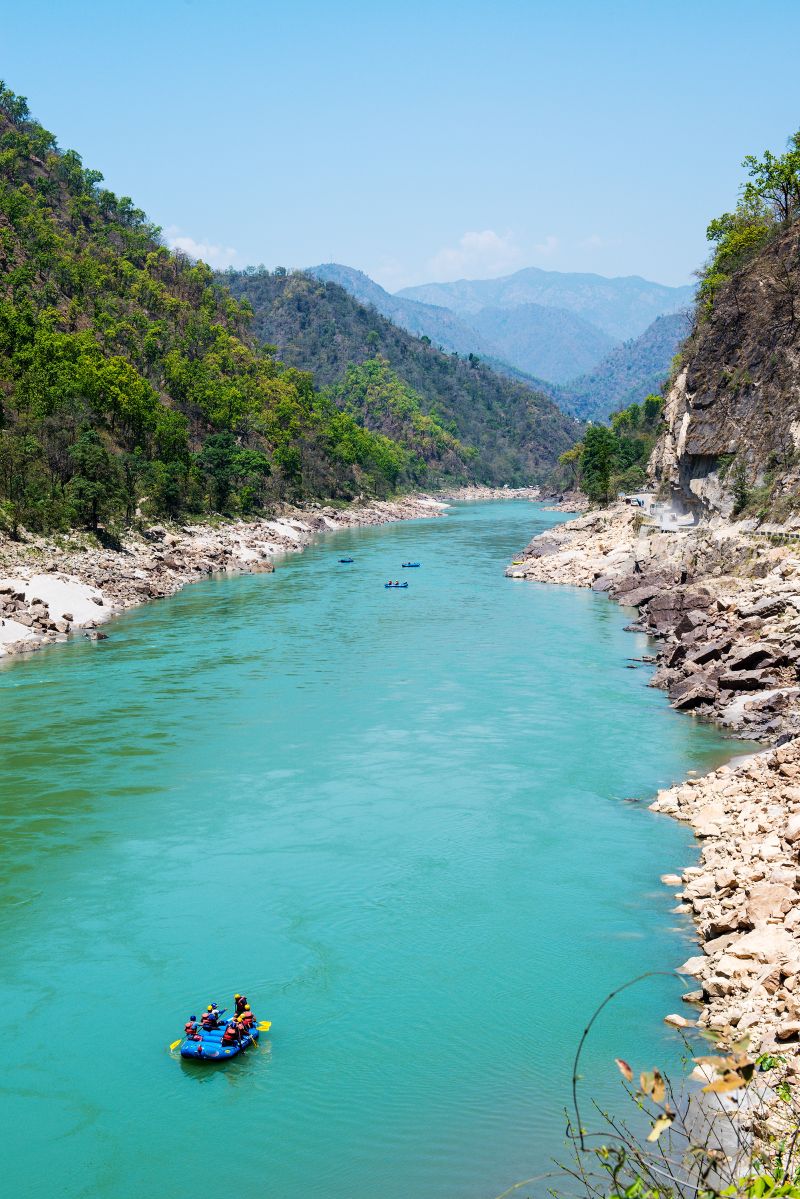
column 263, row 1026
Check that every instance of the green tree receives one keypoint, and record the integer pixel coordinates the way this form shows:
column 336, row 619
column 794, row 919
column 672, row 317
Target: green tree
column 570, row 460
column 775, row 181
column 597, row 462
column 96, row 487
column 216, row 462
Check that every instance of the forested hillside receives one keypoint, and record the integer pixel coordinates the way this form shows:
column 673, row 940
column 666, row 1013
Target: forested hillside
column 516, row 432
column 130, row 379
column 547, row 343
column 628, row 373
column 443, row 327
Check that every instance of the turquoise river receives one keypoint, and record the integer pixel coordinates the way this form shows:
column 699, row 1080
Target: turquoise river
column 404, row 822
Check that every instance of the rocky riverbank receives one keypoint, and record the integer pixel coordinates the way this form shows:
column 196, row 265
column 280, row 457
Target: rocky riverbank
column 725, row 606
column 478, row 494
column 51, row 587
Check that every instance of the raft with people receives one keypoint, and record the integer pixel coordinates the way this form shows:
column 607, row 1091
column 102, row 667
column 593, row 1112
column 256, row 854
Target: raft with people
column 387, row 585
column 346, row 561
column 215, row 1037
column 408, row 565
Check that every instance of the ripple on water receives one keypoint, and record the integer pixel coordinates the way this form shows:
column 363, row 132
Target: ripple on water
column 395, row 820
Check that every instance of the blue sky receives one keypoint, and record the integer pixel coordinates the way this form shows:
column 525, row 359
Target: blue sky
column 418, row 141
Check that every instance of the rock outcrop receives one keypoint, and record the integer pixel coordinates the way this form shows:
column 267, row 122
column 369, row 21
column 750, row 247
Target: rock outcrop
column 737, row 395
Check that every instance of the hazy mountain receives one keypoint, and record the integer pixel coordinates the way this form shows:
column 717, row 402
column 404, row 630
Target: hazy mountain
column 441, row 325
column 548, row 343
column 628, row 373
column 514, row 430
column 622, row 308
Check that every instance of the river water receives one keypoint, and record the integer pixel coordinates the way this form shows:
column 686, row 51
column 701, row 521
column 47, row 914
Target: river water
column 400, row 821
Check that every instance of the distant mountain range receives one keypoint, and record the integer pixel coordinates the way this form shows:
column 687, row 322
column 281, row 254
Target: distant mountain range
column 595, row 344
column 622, row 308
column 631, row 371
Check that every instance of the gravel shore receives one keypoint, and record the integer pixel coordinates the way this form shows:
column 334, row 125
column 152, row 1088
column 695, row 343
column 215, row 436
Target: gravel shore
column 52, row 587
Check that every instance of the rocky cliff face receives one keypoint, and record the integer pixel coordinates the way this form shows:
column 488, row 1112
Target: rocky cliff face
column 732, row 437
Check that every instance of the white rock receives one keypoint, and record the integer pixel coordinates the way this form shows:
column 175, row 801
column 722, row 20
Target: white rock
column 694, row 966
column 677, row 1021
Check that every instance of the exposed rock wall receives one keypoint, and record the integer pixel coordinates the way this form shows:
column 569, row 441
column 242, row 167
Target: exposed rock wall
column 738, row 392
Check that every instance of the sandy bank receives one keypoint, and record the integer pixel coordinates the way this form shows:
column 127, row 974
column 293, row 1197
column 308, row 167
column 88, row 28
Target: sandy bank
column 52, row 587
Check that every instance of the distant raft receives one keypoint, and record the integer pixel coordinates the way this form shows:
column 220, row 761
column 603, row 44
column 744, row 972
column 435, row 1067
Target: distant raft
column 210, row 1047
column 394, row 586
column 408, row 565
column 346, row 560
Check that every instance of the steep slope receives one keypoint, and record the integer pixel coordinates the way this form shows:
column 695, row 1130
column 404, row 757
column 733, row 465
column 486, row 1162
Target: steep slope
column 548, row 343
column 130, row 380
column 622, row 308
column 441, row 325
column 629, row 373
column 517, row 432
column 732, row 438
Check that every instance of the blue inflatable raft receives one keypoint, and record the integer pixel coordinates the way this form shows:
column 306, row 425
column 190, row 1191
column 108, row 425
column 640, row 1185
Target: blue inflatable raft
column 345, row 560
column 408, row 565
column 394, row 585
column 211, row 1049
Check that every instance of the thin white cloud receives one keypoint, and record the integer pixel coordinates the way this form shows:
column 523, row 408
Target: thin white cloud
column 593, row 242
column 477, row 255
column 217, row 256
column 546, row 248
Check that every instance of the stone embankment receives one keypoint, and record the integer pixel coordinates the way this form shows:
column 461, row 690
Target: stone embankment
column 725, row 607
column 745, row 895
column 51, row 587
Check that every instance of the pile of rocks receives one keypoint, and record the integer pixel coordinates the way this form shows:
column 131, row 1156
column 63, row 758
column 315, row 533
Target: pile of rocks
column 726, row 607
column 745, row 895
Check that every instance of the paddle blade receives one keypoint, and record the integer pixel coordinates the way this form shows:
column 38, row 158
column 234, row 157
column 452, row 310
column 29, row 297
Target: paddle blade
column 264, row 1025
column 175, row 1044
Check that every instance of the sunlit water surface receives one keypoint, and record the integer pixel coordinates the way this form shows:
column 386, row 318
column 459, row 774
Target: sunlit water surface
column 401, row 821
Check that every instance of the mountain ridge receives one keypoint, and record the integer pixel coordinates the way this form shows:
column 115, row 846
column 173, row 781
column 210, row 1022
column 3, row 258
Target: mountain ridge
column 621, row 306
column 518, row 430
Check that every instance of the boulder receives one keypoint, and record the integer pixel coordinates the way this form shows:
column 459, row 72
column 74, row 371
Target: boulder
column 542, row 549
column 792, row 830
column 689, row 692
column 768, row 901
column 707, row 822
column 708, row 651
column 693, row 966
column 770, row 605
column 603, row 583
column 637, row 597
column 748, row 657
column 690, row 622
column 742, row 680
column 766, row 944
column 676, row 1021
